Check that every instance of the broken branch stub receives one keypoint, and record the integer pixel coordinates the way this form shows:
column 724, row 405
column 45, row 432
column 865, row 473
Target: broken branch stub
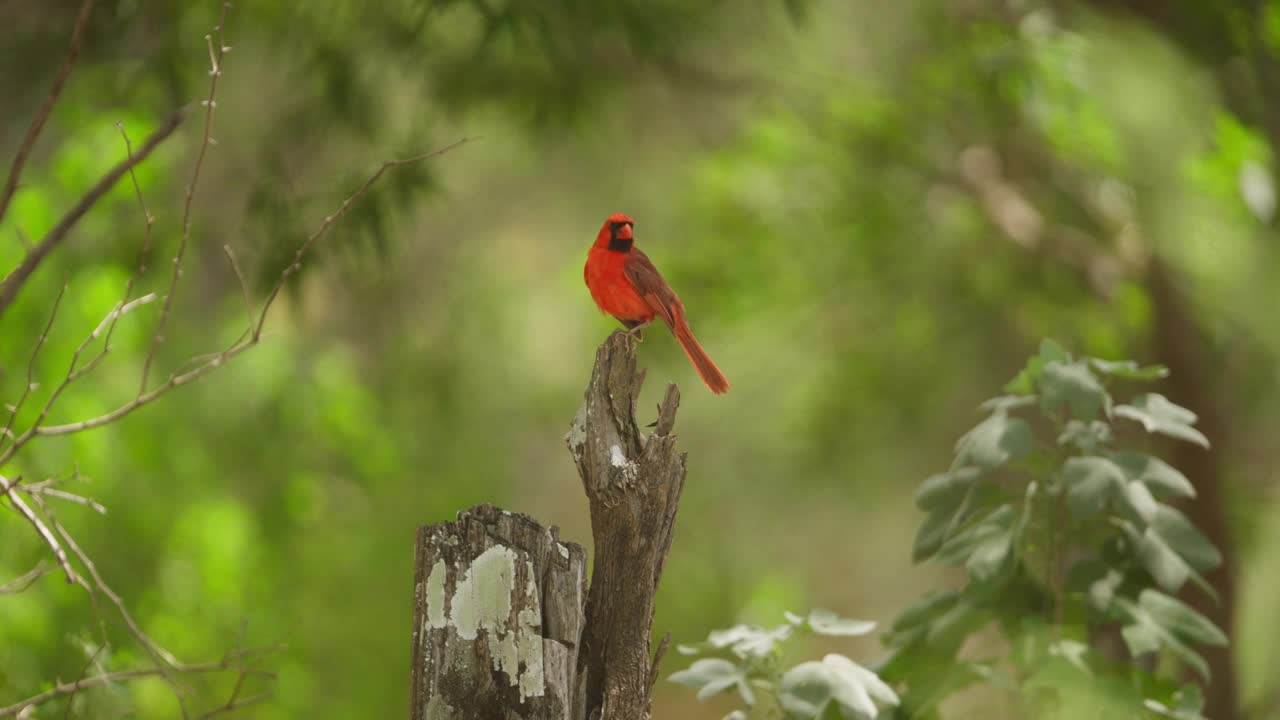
column 504, row 628
column 497, row 619
column 633, row 485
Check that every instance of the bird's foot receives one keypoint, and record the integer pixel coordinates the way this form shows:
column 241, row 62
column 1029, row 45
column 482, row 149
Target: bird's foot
column 634, row 332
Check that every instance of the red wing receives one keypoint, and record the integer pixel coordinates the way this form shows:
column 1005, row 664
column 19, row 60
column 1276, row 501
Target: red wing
column 649, row 285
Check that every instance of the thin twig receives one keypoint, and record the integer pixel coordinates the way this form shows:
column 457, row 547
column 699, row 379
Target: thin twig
column 657, row 659
column 152, row 646
column 166, row 663
column 236, row 705
column 84, row 672
column 31, row 362
column 210, row 104
column 244, row 287
column 331, row 219
column 37, row 123
column 109, row 322
column 216, row 361
column 63, row 495
column 24, row 581
column 14, row 281
column 73, row 374
column 143, row 253
column 7, row 488
column 114, row 677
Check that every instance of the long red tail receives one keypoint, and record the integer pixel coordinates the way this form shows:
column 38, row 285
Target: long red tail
column 702, row 362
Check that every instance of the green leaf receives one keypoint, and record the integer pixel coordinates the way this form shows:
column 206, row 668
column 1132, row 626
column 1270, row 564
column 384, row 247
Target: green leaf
column 1026, row 381
column 709, row 676
column 931, row 534
column 1052, row 351
column 810, row 687
column 952, row 627
column 1158, row 621
column 935, row 625
column 1091, row 482
column 1074, row 386
column 1129, row 370
column 995, row 441
column 1168, row 568
column 1103, row 590
column 1139, row 499
column 1008, row 402
column 1072, row 651
column 945, row 489
column 742, row 640
column 996, row 524
column 1158, row 415
column 1141, row 638
column 858, row 690
column 1183, row 537
column 825, row 622
column 1181, row 619
column 921, row 611
column 805, row 689
column 1188, row 704
column 991, row 557
column 1163, row 479
column 1088, row 436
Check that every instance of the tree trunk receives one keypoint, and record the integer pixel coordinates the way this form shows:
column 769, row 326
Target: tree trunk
column 503, row 628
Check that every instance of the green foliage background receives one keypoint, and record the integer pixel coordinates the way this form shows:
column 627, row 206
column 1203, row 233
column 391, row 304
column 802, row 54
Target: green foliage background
column 802, row 172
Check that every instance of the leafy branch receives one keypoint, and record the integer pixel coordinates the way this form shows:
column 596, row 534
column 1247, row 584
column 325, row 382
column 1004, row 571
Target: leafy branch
column 1065, row 535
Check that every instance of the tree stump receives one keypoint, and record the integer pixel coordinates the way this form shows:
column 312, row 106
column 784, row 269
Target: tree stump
column 497, row 619
column 503, row 626
column 634, row 488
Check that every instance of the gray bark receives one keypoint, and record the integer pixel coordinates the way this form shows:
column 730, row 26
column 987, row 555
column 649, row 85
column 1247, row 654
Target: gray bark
column 633, row 485
column 497, row 619
column 503, row 627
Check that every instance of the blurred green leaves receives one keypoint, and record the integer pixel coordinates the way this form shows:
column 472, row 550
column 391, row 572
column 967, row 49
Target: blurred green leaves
column 1049, row 521
column 750, row 660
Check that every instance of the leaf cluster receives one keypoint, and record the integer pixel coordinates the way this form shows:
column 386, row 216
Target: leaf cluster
column 750, row 661
column 1066, row 533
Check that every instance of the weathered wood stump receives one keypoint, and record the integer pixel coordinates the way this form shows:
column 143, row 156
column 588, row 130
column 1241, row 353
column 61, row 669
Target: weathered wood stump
column 497, row 619
column 503, row 628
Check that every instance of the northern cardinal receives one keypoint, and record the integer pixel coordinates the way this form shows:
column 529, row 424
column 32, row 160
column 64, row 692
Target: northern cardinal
column 626, row 285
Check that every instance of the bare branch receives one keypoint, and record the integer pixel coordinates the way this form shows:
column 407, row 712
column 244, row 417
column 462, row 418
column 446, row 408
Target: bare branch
column 236, row 705
column 244, row 287
column 31, row 362
column 14, row 281
column 47, row 490
column 246, row 342
column 24, row 581
column 72, row 375
column 143, row 253
column 331, row 219
column 122, row 676
column 37, row 123
column 8, row 489
column 109, row 323
column 157, row 652
column 210, row 104
column 84, row 672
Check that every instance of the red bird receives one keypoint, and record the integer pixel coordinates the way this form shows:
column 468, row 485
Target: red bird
column 626, row 285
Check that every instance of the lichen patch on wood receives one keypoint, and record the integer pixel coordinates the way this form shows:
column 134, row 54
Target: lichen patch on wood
column 498, row 616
